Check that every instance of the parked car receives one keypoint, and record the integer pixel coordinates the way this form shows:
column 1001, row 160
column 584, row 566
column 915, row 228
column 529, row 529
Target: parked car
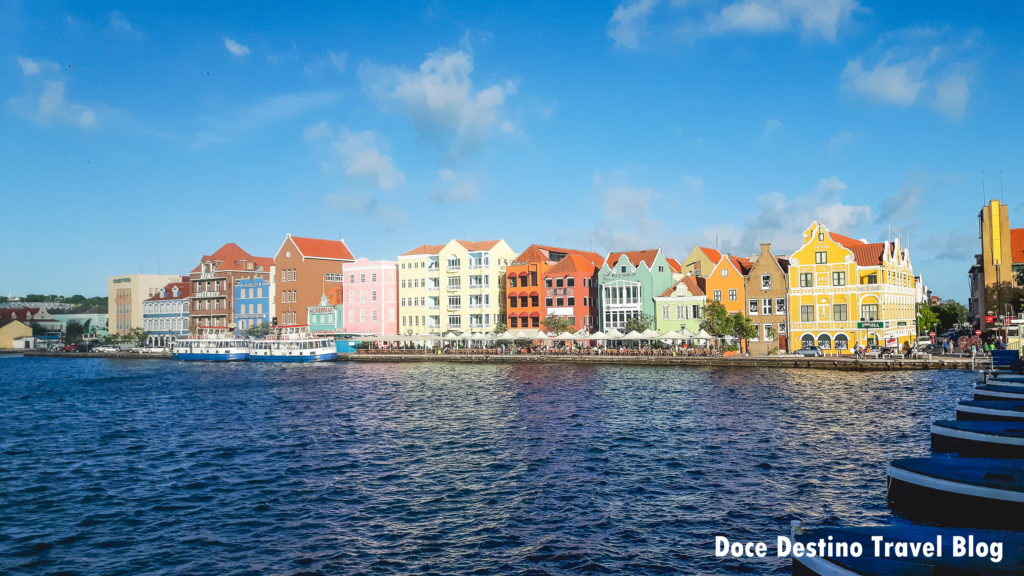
column 812, row 351
column 152, row 350
column 105, row 349
column 70, row 348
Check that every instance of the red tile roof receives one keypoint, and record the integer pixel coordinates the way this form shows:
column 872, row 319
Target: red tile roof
column 231, row 256
column 572, row 262
column 694, row 284
column 475, row 246
column 635, row 257
column 540, row 253
column 25, row 315
column 742, row 264
column 674, row 265
column 184, row 291
column 324, row 249
column 425, row 249
column 863, row 253
column 712, row 254
column 533, row 254
column 1017, row 245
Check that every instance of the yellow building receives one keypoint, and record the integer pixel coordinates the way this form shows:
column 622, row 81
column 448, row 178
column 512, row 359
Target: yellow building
column 11, row 330
column 453, row 287
column 844, row 291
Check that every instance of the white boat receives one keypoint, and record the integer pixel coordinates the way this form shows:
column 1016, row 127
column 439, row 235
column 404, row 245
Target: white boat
column 293, row 347
column 210, row 348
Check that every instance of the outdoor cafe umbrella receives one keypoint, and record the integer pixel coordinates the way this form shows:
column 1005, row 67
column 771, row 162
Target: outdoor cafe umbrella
column 614, row 334
column 598, row 336
column 671, row 335
column 565, row 336
column 649, row 334
column 633, row 336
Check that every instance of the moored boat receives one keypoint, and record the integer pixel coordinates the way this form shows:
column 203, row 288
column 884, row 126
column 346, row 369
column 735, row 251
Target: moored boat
column 1002, row 379
column 976, row 492
column 908, row 551
column 215, row 348
column 293, row 347
column 984, row 392
column 994, row 439
column 1012, row 410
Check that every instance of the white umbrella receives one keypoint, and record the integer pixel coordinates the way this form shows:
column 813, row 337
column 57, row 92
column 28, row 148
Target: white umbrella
column 671, row 335
column 649, row 334
column 703, row 335
column 505, row 337
column 614, row 334
column 582, row 334
column 633, row 336
column 598, row 336
column 565, row 336
column 686, row 334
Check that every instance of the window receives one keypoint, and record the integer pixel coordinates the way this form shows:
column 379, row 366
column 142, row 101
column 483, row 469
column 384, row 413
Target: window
column 732, row 295
column 806, row 279
column 373, row 314
column 454, row 301
column 821, row 257
column 622, row 269
column 868, row 311
column 766, row 306
column 513, row 302
column 757, row 331
column 512, row 281
column 752, row 306
column 559, row 283
column 839, row 313
column 373, row 295
column 570, row 282
column 769, row 332
column 782, row 328
column 718, row 295
column 548, row 302
column 807, row 313
column 570, row 301
column 513, row 322
column 373, row 278
column 725, row 273
column 547, row 282
column 559, row 301
column 871, row 279
column 780, row 305
column 454, row 321
column 821, row 236
column 839, row 278
column 766, row 282
column 351, row 278
column 664, row 311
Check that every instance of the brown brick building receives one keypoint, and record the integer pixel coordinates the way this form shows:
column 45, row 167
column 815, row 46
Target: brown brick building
column 766, row 289
column 213, row 285
column 306, row 269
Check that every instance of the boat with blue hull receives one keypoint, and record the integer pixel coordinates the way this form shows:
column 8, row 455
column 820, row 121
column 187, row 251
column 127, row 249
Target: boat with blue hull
column 983, row 392
column 293, row 349
column 950, row 490
column 210, row 349
column 984, row 545
column 1002, row 379
column 1010, row 410
column 993, row 439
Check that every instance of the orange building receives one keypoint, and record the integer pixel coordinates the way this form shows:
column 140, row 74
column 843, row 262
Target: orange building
column 213, row 285
column 306, row 269
column 725, row 282
column 548, row 280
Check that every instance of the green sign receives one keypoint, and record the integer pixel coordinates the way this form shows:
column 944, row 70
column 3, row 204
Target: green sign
column 870, row 324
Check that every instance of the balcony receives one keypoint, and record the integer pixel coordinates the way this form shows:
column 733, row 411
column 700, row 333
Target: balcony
column 479, row 305
column 479, row 286
column 454, row 287
column 207, row 294
column 478, row 265
column 433, row 288
column 433, row 307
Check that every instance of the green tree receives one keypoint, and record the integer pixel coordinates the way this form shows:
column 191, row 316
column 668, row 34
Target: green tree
column 950, row 313
column 500, row 328
column 73, row 332
column 741, row 327
column 555, row 324
column 639, row 323
column 927, row 319
column 1001, row 294
column 717, row 321
column 260, row 330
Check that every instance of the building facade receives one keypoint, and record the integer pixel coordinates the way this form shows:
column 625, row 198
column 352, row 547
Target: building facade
column 371, row 297
column 1002, row 255
column 125, row 295
column 681, row 306
column 844, row 291
column 326, row 317
column 165, row 316
column 455, row 287
column 701, row 261
column 766, row 288
column 305, row 270
column 726, row 283
column 213, row 286
column 546, row 280
column 252, row 302
column 627, row 285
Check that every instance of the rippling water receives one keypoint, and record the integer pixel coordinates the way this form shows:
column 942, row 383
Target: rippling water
column 158, row 467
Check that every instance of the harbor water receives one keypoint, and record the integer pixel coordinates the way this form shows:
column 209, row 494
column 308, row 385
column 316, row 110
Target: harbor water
column 163, row 467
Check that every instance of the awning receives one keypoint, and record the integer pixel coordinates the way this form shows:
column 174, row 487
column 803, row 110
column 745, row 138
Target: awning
column 534, row 293
column 512, row 295
column 524, row 274
column 534, row 314
column 524, row 315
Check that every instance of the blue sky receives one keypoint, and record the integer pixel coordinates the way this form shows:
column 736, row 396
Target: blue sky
column 137, row 136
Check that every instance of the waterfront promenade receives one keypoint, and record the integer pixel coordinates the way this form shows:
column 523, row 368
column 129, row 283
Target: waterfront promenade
column 471, row 357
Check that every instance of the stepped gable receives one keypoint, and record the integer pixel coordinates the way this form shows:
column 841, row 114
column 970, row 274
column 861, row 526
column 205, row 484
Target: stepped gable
column 320, row 248
column 635, row 257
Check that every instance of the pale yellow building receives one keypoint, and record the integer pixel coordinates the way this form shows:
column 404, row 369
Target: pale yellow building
column 453, row 287
column 125, row 295
column 11, row 330
column 844, row 291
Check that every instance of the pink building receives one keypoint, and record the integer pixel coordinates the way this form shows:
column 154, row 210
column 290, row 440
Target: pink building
column 371, row 297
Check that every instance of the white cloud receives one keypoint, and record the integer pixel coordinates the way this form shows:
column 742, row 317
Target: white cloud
column 629, row 21
column 441, row 101
column 333, row 61
column 29, row 67
column 53, row 107
column 626, row 222
column 829, row 185
column 264, row 112
column 771, row 126
column 951, row 95
column 118, row 22
column 235, row 48
column 902, row 204
column 317, row 131
column 893, row 83
column 362, row 158
column 445, row 174
column 462, row 192
column 750, row 16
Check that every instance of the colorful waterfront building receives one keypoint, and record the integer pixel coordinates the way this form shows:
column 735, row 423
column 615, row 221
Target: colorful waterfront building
column 681, row 306
column 1000, row 260
column 371, row 297
column 165, row 316
column 327, row 316
column 453, row 287
column 766, row 288
column 125, row 294
column 213, row 286
column 305, row 270
column 726, row 283
column 252, row 302
column 701, row 261
column 546, row 280
column 844, row 291
column 628, row 283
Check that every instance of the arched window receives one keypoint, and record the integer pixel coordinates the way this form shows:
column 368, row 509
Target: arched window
column 825, row 342
column 842, row 342
column 806, row 340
